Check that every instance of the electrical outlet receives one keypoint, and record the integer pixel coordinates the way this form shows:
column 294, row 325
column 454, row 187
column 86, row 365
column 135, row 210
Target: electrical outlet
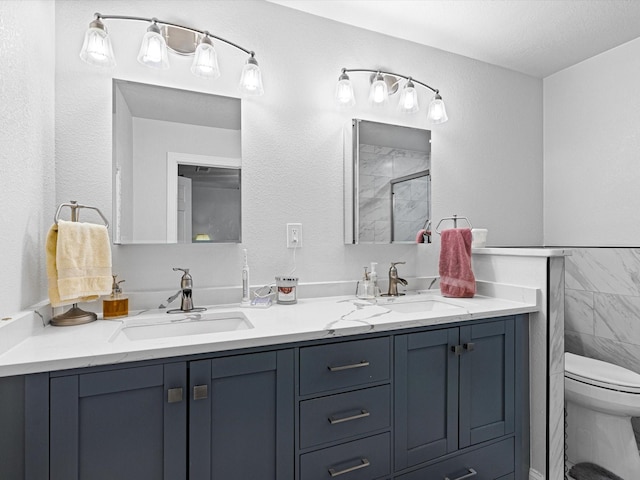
column 294, row 235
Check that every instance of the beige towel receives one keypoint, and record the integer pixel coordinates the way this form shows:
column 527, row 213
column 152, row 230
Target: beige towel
column 78, row 262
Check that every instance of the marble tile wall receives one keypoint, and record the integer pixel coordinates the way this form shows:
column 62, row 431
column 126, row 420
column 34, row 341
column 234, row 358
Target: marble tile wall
column 378, row 166
column 602, row 306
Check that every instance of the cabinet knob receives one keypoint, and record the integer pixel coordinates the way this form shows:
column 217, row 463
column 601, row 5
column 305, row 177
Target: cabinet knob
column 174, row 395
column 200, row 392
column 469, row 346
column 471, row 473
column 457, row 349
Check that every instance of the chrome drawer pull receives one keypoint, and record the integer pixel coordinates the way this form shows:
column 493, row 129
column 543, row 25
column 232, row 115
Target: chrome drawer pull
column 363, row 363
column 365, row 463
column 363, row 413
column 471, row 473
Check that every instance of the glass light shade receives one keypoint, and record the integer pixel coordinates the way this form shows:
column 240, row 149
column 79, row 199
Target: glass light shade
column 205, row 62
column 379, row 93
column 96, row 48
column 153, row 51
column 251, row 78
column 437, row 112
column 409, row 99
column 344, row 92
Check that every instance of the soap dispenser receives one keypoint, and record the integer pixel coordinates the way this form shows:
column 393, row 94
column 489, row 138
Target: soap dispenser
column 364, row 289
column 117, row 305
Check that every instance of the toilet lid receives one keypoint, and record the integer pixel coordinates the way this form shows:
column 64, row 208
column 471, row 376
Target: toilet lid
column 602, row 374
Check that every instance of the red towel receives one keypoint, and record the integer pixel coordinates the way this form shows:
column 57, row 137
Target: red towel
column 456, row 276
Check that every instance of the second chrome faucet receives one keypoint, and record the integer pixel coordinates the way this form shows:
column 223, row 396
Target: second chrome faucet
column 394, row 280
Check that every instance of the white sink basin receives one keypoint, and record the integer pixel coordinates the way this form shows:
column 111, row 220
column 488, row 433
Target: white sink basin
column 415, row 305
column 171, row 325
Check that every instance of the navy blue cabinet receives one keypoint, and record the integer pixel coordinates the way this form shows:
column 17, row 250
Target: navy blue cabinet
column 229, row 417
column 454, row 388
column 241, row 417
column 121, row 424
column 424, row 403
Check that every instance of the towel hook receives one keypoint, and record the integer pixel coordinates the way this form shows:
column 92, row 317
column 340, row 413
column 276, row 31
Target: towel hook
column 455, row 219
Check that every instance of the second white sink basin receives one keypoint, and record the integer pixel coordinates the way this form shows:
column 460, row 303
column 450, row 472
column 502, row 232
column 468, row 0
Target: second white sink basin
column 414, row 304
column 185, row 324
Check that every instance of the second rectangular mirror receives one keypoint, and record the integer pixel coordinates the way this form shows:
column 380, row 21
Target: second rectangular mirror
column 387, row 182
column 176, row 166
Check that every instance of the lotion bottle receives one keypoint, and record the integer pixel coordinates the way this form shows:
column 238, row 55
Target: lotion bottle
column 117, row 305
column 246, row 300
column 373, row 277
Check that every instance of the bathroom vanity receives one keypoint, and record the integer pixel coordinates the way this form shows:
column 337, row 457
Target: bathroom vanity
column 315, row 390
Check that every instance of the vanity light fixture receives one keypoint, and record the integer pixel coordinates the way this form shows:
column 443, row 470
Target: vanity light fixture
column 384, row 84
column 162, row 36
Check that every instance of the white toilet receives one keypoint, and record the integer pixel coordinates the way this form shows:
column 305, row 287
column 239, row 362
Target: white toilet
column 601, row 398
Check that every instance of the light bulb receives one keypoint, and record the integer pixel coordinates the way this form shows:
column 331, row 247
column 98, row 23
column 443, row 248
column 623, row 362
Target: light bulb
column 96, row 48
column 409, row 99
column 251, row 79
column 153, row 51
column 379, row 93
column 437, row 112
column 344, row 91
column 205, row 62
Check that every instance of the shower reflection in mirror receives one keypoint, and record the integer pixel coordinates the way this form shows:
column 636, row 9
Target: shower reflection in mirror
column 387, row 182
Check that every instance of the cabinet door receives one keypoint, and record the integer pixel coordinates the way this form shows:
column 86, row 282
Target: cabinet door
column 124, row 424
column 241, row 417
column 426, row 396
column 486, row 381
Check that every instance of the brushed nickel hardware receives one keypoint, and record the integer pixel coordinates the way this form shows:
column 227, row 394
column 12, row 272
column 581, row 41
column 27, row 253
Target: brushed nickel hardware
column 364, row 463
column 455, row 219
column 75, row 315
column 457, row 349
column 469, row 346
column 200, row 392
column 394, row 280
column 174, row 395
column 471, row 473
column 333, row 420
column 339, row 368
column 186, row 286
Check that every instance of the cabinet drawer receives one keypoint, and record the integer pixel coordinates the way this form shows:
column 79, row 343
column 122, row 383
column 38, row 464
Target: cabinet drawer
column 364, row 459
column 344, row 415
column 345, row 364
column 489, row 463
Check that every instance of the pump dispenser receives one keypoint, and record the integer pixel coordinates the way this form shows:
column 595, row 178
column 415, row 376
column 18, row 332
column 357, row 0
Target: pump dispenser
column 246, row 300
column 373, row 278
column 117, row 305
column 364, row 289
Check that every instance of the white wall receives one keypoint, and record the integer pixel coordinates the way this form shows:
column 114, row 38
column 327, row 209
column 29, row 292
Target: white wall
column 591, row 145
column 487, row 160
column 26, row 149
column 152, row 140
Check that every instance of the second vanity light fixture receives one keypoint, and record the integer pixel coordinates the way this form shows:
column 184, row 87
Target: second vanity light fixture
column 384, row 84
column 97, row 50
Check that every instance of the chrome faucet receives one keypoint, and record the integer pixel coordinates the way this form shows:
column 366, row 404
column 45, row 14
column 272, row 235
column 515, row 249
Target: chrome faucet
column 394, row 280
column 186, row 284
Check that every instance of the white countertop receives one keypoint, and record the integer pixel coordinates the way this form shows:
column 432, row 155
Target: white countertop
column 99, row 343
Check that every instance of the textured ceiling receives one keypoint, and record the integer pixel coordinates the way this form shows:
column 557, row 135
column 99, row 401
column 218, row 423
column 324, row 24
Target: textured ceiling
column 536, row 37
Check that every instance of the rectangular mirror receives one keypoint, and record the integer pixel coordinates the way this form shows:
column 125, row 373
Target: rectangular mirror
column 387, row 182
column 177, row 166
